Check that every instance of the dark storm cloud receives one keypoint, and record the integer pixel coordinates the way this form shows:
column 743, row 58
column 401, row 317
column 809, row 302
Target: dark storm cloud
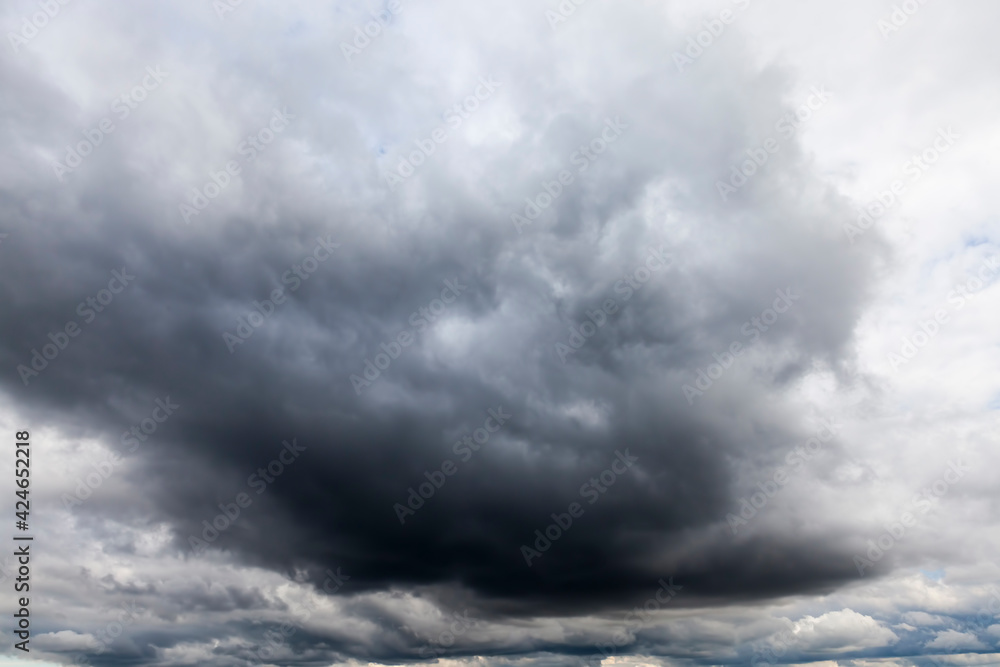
column 493, row 348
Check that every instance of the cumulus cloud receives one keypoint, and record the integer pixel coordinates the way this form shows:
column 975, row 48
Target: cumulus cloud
column 951, row 640
column 842, row 630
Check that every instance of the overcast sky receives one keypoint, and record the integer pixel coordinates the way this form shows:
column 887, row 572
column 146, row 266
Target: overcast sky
column 530, row 334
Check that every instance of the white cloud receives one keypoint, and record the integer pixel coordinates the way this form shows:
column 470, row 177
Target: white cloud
column 66, row 640
column 844, row 630
column 952, row 640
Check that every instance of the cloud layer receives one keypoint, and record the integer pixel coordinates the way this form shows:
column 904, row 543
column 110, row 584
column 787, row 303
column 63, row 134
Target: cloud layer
column 494, row 317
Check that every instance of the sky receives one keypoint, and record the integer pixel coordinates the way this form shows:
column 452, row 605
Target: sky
column 522, row 334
